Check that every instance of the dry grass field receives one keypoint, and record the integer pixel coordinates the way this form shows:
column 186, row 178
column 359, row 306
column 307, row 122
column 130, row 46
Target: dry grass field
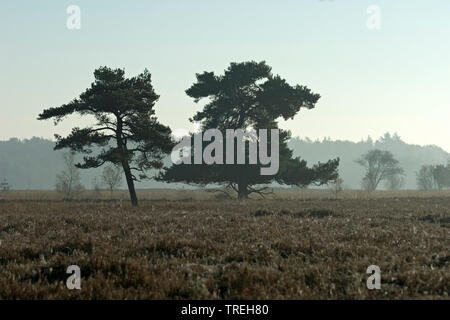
column 193, row 245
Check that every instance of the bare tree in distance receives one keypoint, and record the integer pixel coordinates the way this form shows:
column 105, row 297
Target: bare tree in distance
column 336, row 186
column 425, row 178
column 96, row 185
column 432, row 177
column 379, row 165
column 112, row 177
column 68, row 181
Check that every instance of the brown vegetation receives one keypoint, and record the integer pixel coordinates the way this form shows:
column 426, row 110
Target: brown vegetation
column 285, row 248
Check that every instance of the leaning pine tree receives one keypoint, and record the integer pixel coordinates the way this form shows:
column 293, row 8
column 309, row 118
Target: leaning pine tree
column 126, row 132
column 250, row 98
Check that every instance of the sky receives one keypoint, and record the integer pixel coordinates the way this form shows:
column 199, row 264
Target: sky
column 395, row 78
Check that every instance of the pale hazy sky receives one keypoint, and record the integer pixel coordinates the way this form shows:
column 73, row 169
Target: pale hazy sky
column 371, row 81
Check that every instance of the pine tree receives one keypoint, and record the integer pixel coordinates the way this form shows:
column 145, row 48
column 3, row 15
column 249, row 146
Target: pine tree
column 126, row 128
column 249, row 97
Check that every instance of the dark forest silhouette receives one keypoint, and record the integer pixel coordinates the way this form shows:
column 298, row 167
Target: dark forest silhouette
column 32, row 163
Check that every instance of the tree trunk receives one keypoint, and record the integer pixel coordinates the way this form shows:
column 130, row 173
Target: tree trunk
column 242, row 191
column 130, row 183
column 122, row 146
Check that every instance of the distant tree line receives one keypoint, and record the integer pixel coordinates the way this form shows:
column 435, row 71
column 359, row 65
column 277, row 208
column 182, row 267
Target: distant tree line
column 29, row 164
column 410, row 158
column 382, row 166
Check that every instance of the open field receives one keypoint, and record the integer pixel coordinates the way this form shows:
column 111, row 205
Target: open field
column 189, row 244
column 200, row 194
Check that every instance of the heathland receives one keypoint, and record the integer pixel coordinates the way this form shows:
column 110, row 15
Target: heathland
column 295, row 244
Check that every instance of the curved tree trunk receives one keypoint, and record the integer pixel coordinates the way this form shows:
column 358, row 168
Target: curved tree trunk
column 130, row 183
column 126, row 166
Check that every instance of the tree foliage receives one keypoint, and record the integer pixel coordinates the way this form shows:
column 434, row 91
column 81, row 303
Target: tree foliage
column 249, row 97
column 126, row 128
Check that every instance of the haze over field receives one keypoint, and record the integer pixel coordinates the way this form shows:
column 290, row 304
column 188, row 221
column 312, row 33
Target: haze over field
column 32, row 164
column 371, row 81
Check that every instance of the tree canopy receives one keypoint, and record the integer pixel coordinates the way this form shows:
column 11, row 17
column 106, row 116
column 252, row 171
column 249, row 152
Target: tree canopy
column 249, row 97
column 126, row 128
